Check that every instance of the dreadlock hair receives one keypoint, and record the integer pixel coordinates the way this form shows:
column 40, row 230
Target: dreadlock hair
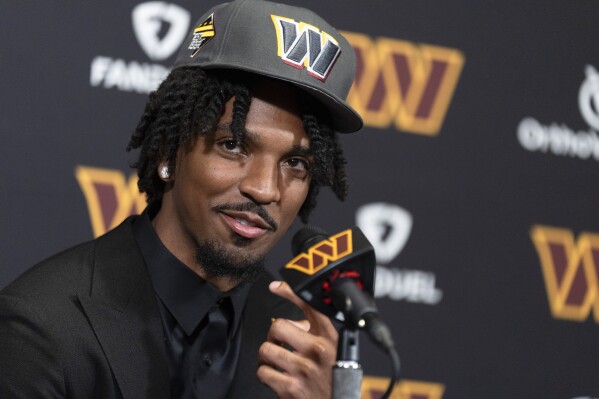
column 190, row 102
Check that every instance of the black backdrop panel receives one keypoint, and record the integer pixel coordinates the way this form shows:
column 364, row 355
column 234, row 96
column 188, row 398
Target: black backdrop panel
column 475, row 176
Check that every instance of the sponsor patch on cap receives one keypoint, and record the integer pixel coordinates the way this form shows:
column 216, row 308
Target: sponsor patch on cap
column 202, row 34
column 305, row 46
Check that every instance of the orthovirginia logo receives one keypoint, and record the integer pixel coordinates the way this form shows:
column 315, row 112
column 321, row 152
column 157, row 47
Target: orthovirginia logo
column 558, row 138
column 388, row 227
column 403, row 84
column 588, row 98
column 149, row 20
column 570, row 269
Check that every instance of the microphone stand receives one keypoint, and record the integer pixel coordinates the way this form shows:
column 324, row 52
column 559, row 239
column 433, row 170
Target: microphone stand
column 348, row 299
column 347, row 371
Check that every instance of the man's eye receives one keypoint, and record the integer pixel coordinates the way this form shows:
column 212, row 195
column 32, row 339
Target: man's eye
column 297, row 163
column 299, row 166
column 231, row 146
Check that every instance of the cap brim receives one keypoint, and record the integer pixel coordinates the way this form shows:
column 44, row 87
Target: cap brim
column 344, row 119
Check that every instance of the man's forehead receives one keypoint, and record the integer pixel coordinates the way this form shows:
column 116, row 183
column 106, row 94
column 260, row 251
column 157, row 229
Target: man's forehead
column 275, row 111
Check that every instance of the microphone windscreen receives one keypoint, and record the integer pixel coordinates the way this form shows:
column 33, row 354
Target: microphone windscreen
column 305, row 238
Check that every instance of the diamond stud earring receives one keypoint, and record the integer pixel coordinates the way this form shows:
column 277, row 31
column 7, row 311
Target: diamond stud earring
column 165, row 172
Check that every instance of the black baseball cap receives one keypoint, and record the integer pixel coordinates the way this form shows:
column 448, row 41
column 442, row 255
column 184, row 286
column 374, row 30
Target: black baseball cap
column 283, row 42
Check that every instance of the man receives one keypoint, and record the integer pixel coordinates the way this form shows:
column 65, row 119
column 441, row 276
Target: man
column 233, row 145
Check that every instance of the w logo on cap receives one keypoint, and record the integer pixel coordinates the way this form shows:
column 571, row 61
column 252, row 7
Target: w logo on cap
column 301, row 45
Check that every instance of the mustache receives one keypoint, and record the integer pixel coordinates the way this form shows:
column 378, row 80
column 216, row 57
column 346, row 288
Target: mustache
column 249, row 207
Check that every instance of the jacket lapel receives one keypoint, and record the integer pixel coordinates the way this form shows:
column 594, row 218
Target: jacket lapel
column 124, row 315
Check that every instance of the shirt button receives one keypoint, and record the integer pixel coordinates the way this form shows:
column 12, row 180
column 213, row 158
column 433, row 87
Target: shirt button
column 207, row 361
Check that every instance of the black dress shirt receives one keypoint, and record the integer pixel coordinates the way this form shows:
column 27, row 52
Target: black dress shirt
column 201, row 324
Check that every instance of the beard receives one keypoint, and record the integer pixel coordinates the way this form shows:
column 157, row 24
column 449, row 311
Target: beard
column 218, row 261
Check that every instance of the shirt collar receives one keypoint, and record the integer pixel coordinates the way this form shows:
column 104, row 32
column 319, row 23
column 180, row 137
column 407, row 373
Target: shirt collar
column 186, row 295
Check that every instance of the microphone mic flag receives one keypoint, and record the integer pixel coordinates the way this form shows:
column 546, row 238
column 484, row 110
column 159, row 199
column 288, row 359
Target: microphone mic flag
column 334, row 274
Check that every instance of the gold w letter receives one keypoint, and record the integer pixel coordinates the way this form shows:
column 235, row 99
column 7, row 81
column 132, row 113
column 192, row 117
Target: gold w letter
column 110, row 199
column 570, row 270
column 322, row 253
column 403, row 83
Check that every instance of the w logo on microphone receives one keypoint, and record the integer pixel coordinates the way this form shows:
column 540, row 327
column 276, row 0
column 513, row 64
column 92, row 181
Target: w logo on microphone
column 301, row 45
column 323, row 253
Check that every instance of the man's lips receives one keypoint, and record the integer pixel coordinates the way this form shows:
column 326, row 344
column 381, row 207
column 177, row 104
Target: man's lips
column 245, row 224
column 250, row 212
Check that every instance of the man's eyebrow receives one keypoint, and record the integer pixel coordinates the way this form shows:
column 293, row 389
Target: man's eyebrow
column 223, row 127
column 227, row 129
column 301, row 150
column 296, row 150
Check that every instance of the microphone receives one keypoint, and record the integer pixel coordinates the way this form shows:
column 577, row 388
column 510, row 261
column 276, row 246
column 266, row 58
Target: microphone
column 335, row 275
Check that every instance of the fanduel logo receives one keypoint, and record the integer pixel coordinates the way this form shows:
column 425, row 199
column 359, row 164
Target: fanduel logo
column 388, row 227
column 149, row 20
column 160, row 29
column 559, row 139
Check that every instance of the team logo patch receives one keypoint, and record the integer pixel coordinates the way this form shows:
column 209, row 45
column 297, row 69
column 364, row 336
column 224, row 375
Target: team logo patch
column 304, row 46
column 202, row 35
column 323, row 253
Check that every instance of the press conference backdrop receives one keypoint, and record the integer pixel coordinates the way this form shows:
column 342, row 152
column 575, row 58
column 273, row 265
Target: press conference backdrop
column 476, row 176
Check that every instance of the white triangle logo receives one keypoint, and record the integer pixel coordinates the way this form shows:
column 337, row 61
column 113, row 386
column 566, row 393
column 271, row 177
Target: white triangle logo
column 387, row 227
column 148, row 20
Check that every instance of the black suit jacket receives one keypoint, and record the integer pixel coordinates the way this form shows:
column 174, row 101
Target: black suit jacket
column 85, row 324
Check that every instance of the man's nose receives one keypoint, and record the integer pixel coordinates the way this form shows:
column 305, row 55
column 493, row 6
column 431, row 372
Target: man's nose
column 261, row 181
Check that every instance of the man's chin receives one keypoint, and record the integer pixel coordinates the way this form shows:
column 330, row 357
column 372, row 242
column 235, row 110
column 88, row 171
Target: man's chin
column 241, row 241
column 237, row 264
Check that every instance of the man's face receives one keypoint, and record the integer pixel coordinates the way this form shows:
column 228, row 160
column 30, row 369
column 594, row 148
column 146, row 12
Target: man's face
column 239, row 198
